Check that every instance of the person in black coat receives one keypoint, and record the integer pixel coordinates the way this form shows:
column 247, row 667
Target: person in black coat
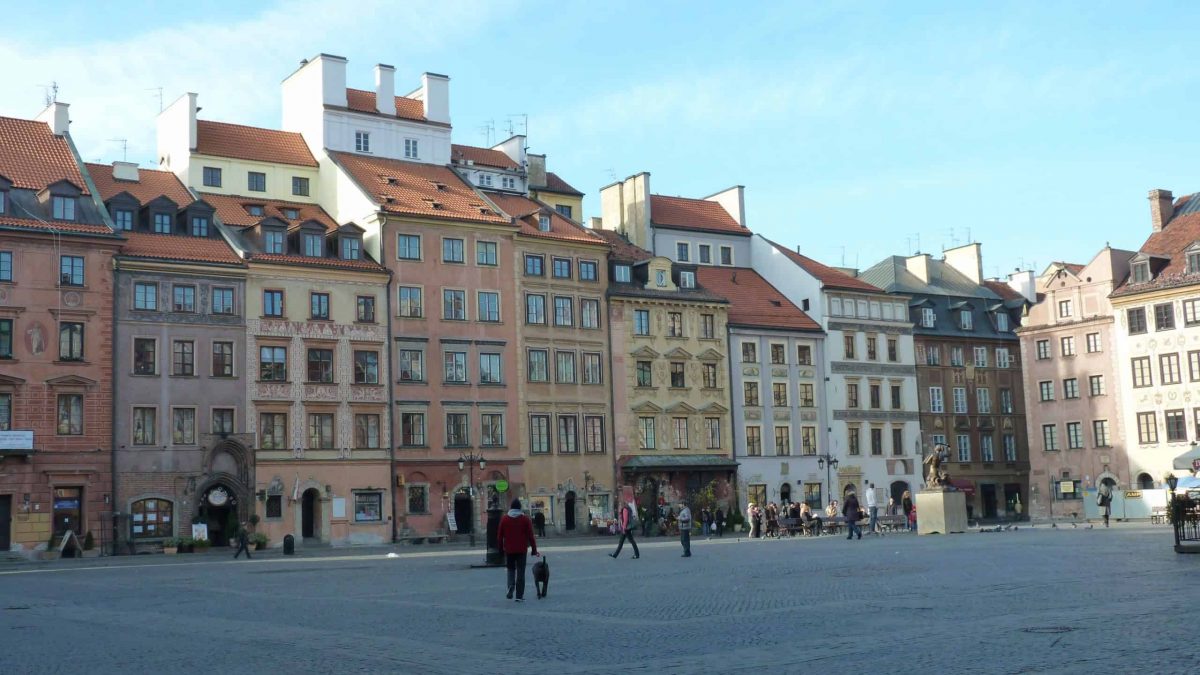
column 852, row 512
column 539, row 522
column 243, row 540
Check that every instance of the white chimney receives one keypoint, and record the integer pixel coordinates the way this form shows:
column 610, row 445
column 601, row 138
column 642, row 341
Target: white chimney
column 435, row 92
column 385, row 89
column 1162, row 208
column 514, row 147
column 918, row 266
column 125, row 171
column 55, row 116
column 177, row 135
column 967, row 260
column 1023, row 282
column 734, row 201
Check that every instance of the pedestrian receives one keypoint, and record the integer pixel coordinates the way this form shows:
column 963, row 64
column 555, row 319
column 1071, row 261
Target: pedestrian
column 514, row 537
column 645, row 520
column 243, row 539
column 1104, row 501
column 752, row 519
column 705, row 522
column 906, row 504
column 539, row 521
column 685, row 529
column 626, row 522
column 853, row 513
column 720, row 522
column 872, row 508
column 891, row 507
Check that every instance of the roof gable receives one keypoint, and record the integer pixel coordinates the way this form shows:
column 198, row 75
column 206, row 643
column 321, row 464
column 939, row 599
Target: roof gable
column 828, row 276
column 150, row 184
column 32, row 157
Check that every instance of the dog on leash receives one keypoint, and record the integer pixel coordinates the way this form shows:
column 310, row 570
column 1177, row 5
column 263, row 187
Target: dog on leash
column 541, row 577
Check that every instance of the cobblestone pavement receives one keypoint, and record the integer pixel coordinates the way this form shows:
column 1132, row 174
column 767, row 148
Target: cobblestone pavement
column 1034, row 600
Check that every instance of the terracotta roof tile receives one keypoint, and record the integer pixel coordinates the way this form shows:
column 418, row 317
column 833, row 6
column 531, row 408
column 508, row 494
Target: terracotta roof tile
column 231, row 209
column 32, row 157
column 1003, row 290
column 414, row 189
column 178, row 247
column 461, row 154
column 359, row 100
column 556, row 184
column 527, row 212
column 365, row 265
column 828, row 276
column 61, row 226
column 221, row 139
column 622, row 250
column 693, row 214
column 150, row 185
column 1171, row 242
column 752, row 300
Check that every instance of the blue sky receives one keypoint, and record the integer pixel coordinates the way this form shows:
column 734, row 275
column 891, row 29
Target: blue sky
column 857, row 128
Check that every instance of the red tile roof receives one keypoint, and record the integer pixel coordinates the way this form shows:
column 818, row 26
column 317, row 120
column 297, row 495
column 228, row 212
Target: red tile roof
column 1003, row 290
column 693, row 214
column 556, row 184
column 32, row 157
column 177, row 247
column 527, row 212
column 1171, row 242
column 231, row 209
column 332, row 263
column 50, row 226
column 150, row 185
column 221, row 139
column 414, row 189
column 829, row 277
column 406, row 108
column 752, row 300
column 622, row 250
column 461, row 154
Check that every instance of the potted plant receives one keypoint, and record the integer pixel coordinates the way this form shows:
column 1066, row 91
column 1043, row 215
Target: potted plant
column 89, row 546
column 51, row 552
column 260, row 541
column 186, row 545
column 170, row 546
column 200, row 545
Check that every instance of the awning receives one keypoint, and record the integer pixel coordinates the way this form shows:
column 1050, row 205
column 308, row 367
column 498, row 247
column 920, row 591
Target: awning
column 678, row 462
column 963, row 485
column 16, row 452
column 1190, row 460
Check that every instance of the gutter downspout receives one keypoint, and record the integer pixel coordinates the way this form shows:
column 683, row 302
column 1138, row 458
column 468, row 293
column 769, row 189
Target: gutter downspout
column 737, row 503
column 391, row 383
column 612, row 398
column 112, row 451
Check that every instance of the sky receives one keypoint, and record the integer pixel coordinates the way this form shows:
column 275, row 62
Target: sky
column 860, row 129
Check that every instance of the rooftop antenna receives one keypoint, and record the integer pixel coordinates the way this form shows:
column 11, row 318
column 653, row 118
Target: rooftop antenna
column 612, row 174
column 918, row 242
column 50, row 93
column 160, row 96
column 124, row 147
column 969, row 239
column 488, row 129
column 843, row 256
column 510, row 127
column 524, row 123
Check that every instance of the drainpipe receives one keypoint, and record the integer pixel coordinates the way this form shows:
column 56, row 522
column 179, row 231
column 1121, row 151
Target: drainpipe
column 737, row 503
column 112, row 422
column 391, row 384
column 612, row 395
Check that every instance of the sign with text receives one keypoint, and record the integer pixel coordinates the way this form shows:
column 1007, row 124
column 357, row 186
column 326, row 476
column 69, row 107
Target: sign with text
column 1133, row 494
column 450, row 520
column 16, row 440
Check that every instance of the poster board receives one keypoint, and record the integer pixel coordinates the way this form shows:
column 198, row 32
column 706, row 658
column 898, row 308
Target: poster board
column 67, row 538
column 450, row 520
column 339, row 507
column 200, row 531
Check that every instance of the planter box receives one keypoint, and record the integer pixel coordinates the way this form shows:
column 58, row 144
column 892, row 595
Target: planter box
column 170, row 550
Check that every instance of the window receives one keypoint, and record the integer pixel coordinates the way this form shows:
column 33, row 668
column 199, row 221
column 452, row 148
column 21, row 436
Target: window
column 6, row 338
column 564, row 367
column 589, row 313
column 779, row 394
column 418, row 499
column 145, row 425
column 455, row 367
column 272, row 364
column 983, row 400
column 1006, row 401
column 539, row 434
column 1176, row 426
column 70, row 341
column 1168, row 366
column 123, row 218
column 272, row 303
column 300, row 186
column 964, row 448
column 410, row 148
column 705, row 254
column 1093, row 343
column 1100, row 433
column 806, row 396
column 749, row 352
column 1075, row 434
column 222, row 420
column 778, row 353
column 936, row 404
column 183, row 299
column 351, row 248
column 678, row 380
column 222, row 301
column 848, row 345
column 1164, row 316
column 411, row 302
column 273, row 241
column 687, row 279
column 486, row 253
column 1191, row 308
column 1064, row 309
column 153, row 518
column 145, row 358
column 412, row 429
column 564, row 311
column 1068, row 490
column 365, row 309
column 1147, row 428
column 456, row 429
column 1046, row 390
column 562, row 209
column 872, row 348
column 162, row 223
column 320, row 430
column 851, row 395
column 592, row 371
column 535, row 309
column 489, row 369
column 568, row 434
column 645, row 374
column 1003, row 357
column 491, row 430
column 588, row 270
column 892, row 351
column 452, row 250
column 256, row 181
column 964, row 320
column 6, row 266
column 674, row 324
column 183, row 426
column 1096, row 385
column 853, row 440
column 808, row 440
column 1043, row 350
column 272, row 431
column 928, row 318
column 408, row 246
column 1010, row 447
column 749, row 393
column 71, row 270
column 956, row 357
column 898, row 441
column 875, row 395
column 561, row 268
column 454, row 305
column 362, row 141
column 804, row 355
column 145, row 296
column 70, row 415
column 199, row 226
column 488, row 308
column 726, row 255
column 1142, row 376
column 593, row 434
column 1070, row 388
column 641, row 322
column 621, row 273
column 212, row 176
column 876, row 441
column 368, row 506
column 256, row 210
column 544, row 222
column 320, row 366
column 366, row 368
column 683, row 252
column 712, row 433
column 783, row 441
column 412, row 365
column 710, row 375
column 319, row 306
column 933, row 355
column 534, row 266
column 64, row 208
column 538, row 367
column 981, row 354
column 753, row 441
column 183, row 358
column 1136, row 320
column 960, row 400
column 1001, row 322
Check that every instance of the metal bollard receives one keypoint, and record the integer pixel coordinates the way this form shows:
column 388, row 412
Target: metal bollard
column 289, row 545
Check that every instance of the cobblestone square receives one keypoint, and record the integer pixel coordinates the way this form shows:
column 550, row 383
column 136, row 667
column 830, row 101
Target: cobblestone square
column 1033, row 600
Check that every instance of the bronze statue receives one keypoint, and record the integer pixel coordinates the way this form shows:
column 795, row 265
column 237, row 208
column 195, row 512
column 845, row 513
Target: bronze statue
column 937, row 476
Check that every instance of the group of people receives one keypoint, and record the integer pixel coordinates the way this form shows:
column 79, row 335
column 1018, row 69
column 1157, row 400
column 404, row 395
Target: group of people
column 667, row 521
column 764, row 521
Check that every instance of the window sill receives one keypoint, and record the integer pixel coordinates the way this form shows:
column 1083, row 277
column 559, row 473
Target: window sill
column 565, row 382
column 494, row 447
column 459, row 447
column 71, row 362
column 366, row 323
column 223, row 377
column 455, row 383
column 273, row 381
column 183, row 377
column 320, row 319
column 499, row 385
column 367, row 384
column 413, row 382
column 307, row 382
column 412, row 447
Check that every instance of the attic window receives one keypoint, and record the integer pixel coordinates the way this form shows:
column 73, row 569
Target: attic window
column 687, row 279
column 964, row 320
column 544, row 223
column 777, row 303
column 64, row 208
column 484, row 211
column 438, row 185
column 1193, row 259
column 433, row 204
column 255, row 209
column 291, row 214
column 389, row 180
column 1141, row 273
column 1002, row 322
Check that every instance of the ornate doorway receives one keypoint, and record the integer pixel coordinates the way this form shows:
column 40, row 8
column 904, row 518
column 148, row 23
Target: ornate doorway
column 310, row 513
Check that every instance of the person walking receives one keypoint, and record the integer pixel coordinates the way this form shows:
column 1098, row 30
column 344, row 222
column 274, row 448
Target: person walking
column 705, row 522
column 243, row 539
column 514, row 537
column 685, row 529
column 853, row 513
column 752, row 518
column 872, row 509
column 1104, row 501
column 539, row 522
column 906, row 504
column 720, row 522
column 626, row 522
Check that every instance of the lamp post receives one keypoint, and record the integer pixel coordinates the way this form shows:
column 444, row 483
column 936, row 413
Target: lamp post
column 827, row 462
column 1172, row 481
column 468, row 462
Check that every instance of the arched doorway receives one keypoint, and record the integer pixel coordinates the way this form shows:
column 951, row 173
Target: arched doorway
column 570, row 510
column 785, row 493
column 1145, row 482
column 897, row 491
column 464, row 511
column 218, row 510
column 310, row 514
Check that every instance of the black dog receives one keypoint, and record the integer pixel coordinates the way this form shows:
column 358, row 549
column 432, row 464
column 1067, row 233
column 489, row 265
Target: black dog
column 541, row 577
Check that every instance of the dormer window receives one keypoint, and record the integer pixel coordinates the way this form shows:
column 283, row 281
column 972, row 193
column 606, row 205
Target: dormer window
column 273, row 242
column 687, row 279
column 544, row 223
column 485, row 179
column 1141, row 272
column 3, row 201
column 312, row 244
column 256, row 210
column 508, row 183
column 1193, row 259
column 162, row 223
column 622, row 274
column 410, row 148
column 660, row 278
column 351, row 248
column 964, row 320
column 1002, row 322
column 64, row 207
column 291, row 214
column 199, row 226
column 362, row 141
column 123, row 219
column 928, row 318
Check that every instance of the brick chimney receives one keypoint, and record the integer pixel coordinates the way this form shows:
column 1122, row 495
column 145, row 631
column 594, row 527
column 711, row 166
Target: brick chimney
column 1162, row 207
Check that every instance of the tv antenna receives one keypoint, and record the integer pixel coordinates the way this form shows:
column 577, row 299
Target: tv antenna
column 124, row 147
column 488, row 130
column 159, row 93
column 524, row 123
column 50, row 92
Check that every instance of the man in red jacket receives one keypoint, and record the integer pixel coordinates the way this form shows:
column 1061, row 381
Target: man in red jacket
column 515, row 535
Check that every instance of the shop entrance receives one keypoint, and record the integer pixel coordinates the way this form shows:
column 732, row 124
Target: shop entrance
column 68, row 510
column 310, row 512
column 987, row 493
column 5, row 522
column 570, row 515
column 218, row 511
column 463, row 512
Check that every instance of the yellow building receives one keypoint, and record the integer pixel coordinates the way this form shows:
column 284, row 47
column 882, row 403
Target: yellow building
column 548, row 188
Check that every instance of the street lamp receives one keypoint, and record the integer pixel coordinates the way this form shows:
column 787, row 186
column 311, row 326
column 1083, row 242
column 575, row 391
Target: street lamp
column 468, row 462
column 1172, row 481
column 827, row 462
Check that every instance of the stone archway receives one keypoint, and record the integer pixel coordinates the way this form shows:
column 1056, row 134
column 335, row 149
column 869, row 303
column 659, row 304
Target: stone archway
column 313, row 502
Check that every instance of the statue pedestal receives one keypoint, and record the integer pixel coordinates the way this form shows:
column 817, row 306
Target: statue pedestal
column 941, row 512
